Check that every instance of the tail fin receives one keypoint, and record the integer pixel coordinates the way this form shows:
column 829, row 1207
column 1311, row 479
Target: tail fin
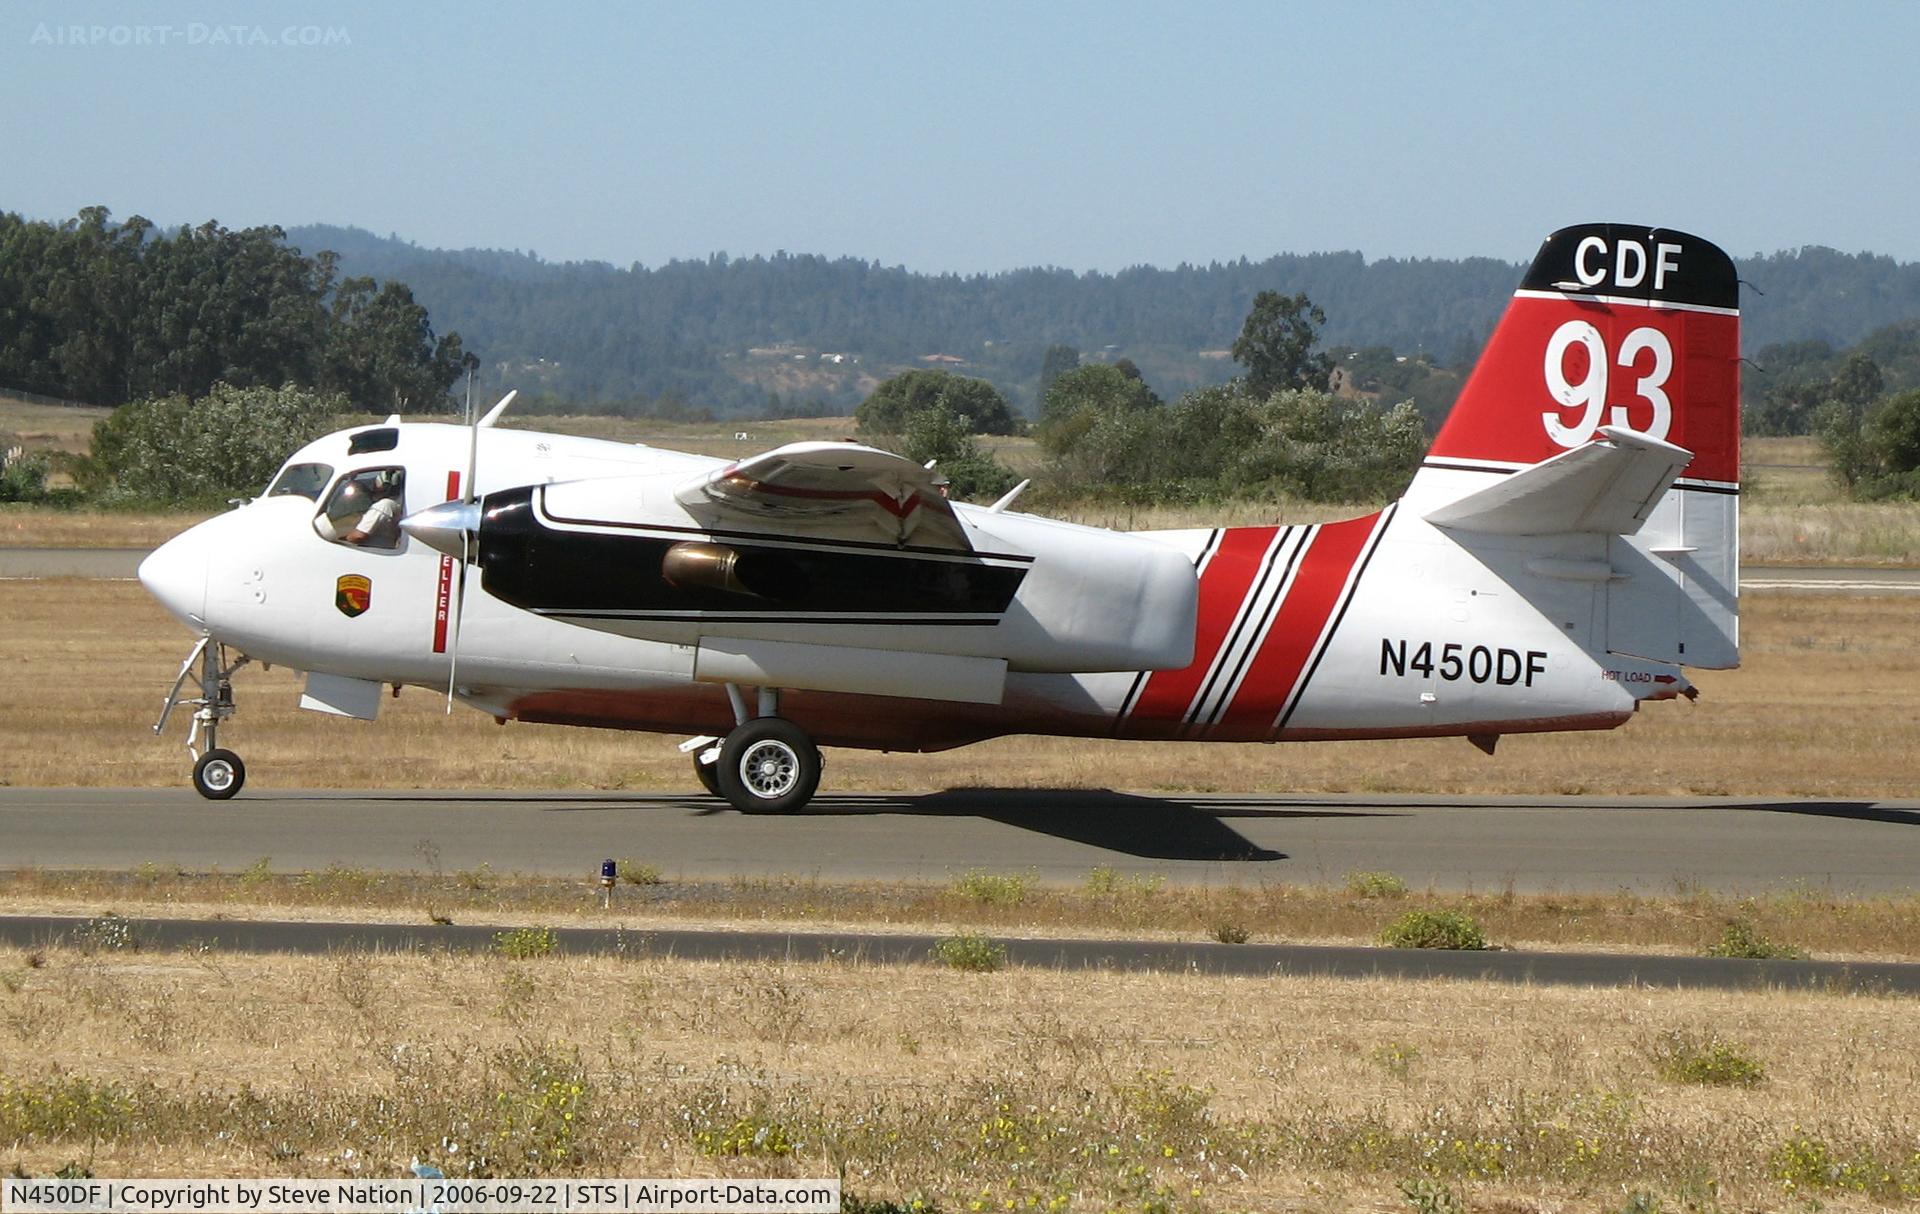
column 1607, row 405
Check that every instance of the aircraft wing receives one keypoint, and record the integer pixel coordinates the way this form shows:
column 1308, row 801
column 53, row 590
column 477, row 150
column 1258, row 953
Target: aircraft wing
column 843, row 488
column 1607, row 487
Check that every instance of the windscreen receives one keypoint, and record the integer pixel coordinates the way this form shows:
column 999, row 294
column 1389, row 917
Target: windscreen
column 302, row 480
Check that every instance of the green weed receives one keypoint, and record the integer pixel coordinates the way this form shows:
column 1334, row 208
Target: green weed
column 745, row 1136
column 976, row 954
column 1704, row 1059
column 991, row 889
column 633, row 872
column 1107, row 882
column 1432, row 1197
column 1742, row 939
column 1364, row 884
column 1434, row 929
column 522, row 943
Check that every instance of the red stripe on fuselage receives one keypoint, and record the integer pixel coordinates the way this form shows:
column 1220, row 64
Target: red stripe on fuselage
column 1317, row 589
column 443, row 599
column 1223, row 592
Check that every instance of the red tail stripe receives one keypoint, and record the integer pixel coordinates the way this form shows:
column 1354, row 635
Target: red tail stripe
column 1317, row 589
column 1223, row 591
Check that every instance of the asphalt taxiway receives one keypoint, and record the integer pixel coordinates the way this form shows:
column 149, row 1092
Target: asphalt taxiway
column 1569, row 844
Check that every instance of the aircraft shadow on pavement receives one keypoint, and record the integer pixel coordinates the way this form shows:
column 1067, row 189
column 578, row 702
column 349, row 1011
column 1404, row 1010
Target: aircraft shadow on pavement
column 1858, row 811
column 1155, row 828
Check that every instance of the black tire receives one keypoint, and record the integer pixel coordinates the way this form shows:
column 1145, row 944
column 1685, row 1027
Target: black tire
column 768, row 766
column 219, row 774
column 709, row 774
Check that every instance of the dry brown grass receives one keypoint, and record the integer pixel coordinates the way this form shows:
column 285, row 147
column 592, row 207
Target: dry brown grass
column 1109, row 904
column 1076, row 1090
column 1824, row 706
column 45, row 527
column 48, row 427
column 1831, row 533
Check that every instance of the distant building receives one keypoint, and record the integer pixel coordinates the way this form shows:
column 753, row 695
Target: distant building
column 944, row 360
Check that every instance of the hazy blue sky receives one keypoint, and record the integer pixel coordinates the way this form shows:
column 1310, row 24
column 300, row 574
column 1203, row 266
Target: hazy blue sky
column 970, row 136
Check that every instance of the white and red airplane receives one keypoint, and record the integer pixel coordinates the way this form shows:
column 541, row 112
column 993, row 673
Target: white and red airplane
column 1569, row 544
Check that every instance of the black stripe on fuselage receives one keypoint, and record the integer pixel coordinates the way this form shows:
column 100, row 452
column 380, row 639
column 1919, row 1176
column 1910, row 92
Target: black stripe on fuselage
column 737, row 618
column 591, row 574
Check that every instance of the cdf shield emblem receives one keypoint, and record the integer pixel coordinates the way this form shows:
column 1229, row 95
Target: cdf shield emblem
column 353, row 594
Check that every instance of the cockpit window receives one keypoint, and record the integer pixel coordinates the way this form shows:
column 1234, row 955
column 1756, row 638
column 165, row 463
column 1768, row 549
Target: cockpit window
column 301, row 480
column 365, row 508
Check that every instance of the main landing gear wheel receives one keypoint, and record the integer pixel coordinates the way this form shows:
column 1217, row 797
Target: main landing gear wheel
column 768, row 766
column 219, row 774
column 709, row 774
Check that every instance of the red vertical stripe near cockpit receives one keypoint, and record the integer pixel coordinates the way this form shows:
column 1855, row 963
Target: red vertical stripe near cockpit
column 1224, row 584
column 443, row 598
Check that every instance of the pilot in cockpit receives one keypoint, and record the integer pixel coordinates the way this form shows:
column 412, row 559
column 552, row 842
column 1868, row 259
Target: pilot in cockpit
column 364, row 510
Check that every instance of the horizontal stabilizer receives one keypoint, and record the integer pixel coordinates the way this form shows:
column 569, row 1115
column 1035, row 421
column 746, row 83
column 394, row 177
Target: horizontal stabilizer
column 1607, row 487
column 806, row 485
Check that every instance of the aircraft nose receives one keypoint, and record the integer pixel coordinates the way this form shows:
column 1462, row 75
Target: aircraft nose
column 176, row 574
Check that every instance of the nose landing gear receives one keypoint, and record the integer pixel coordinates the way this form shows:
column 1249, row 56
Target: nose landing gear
column 217, row 773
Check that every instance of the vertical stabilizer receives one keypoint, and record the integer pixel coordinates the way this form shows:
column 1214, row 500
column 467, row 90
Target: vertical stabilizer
column 1627, row 337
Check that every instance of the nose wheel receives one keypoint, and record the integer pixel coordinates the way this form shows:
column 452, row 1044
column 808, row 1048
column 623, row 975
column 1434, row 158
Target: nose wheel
column 217, row 773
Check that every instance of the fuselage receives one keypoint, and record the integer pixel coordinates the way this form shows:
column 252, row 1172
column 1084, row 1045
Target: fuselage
column 1380, row 626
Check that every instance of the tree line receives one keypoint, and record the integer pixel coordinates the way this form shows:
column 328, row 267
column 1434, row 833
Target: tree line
column 106, row 313
column 681, row 332
column 197, row 330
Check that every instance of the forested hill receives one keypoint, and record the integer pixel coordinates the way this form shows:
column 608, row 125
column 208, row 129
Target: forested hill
column 728, row 333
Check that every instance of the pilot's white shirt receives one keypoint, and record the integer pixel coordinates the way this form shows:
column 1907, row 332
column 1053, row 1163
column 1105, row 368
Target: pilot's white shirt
column 380, row 522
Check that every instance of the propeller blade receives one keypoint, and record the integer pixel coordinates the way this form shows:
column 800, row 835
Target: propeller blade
column 459, row 610
column 467, row 493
